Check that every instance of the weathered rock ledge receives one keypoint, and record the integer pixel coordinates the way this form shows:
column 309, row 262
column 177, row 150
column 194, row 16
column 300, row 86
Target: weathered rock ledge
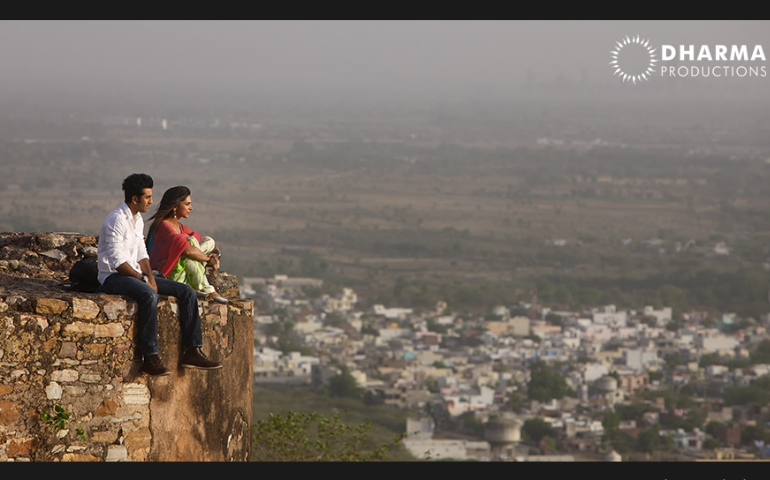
column 76, row 350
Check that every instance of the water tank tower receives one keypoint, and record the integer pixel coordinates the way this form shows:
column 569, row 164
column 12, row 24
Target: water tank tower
column 503, row 434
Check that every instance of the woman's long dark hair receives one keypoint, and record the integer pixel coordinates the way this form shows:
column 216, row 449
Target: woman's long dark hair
column 171, row 199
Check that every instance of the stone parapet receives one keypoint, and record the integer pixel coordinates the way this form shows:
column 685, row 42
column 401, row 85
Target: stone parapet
column 74, row 350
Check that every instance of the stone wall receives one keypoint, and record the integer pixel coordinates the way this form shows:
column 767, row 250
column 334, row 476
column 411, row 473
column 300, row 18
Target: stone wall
column 76, row 351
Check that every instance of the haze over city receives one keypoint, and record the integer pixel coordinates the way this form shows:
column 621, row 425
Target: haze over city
column 210, row 60
column 473, row 200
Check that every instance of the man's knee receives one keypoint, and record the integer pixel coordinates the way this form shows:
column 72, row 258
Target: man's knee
column 149, row 297
column 186, row 292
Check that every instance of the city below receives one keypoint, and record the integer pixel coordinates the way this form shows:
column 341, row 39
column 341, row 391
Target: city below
column 634, row 382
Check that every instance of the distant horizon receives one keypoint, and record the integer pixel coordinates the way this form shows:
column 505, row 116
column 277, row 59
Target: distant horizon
column 420, row 59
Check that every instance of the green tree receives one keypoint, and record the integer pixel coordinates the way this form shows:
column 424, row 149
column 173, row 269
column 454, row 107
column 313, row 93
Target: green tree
column 634, row 411
column 344, row 385
column 752, row 433
column 715, row 428
column 647, row 440
column 469, row 424
column 334, row 319
column 300, row 437
column 514, row 402
column 762, row 352
column 535, row 429
column 546, row 383
column 712, row 358
column 621, row 441
column 436, row 327
column 746, row 395
column 611, row 421
column 710, row 444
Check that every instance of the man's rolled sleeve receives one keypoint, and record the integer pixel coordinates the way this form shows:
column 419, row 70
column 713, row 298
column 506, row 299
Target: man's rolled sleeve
column 114, row 251
column 142, row 254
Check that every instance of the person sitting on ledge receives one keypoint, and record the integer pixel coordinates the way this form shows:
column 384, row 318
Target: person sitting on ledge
column 176, row 251
column 124, row 269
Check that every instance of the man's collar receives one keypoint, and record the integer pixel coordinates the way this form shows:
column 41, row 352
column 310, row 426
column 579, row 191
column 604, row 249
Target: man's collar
column 127, row 211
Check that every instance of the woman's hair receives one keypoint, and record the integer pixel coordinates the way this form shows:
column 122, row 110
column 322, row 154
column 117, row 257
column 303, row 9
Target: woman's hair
column 171, row 199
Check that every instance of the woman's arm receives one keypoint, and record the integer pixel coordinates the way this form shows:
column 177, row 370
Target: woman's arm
column 194, row 253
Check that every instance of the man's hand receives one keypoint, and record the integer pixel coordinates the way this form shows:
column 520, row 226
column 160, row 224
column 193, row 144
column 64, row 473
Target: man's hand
column 151, row 282
column 144, row 264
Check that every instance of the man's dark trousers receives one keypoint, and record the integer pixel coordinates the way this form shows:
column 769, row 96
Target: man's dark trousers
column 147, row 302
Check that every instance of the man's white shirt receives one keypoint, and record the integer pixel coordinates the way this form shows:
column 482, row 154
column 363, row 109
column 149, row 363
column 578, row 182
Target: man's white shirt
column 121, row 240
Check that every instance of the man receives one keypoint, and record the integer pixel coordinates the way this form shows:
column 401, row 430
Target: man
column 124, row 269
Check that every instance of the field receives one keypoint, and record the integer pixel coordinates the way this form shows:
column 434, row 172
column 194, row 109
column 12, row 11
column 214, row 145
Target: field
column 426, row 193
column 386, row 422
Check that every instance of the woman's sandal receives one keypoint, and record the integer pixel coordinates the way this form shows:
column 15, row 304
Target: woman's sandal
column 212, row 296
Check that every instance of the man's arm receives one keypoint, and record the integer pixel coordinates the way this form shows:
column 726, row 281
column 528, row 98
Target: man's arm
column 147, row 270
column 112, row 238
column 128, row 270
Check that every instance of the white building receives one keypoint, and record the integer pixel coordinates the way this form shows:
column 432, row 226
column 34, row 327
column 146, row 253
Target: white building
column 639, row 358
column 716, row 342
column 343, row 302
column 430, row 449
column 469, row 402
column 394, row 313
column 611, row 317
column 662, row 316
column 594, row 371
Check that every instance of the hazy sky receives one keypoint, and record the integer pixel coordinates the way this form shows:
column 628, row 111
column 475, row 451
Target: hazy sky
column 388, row 56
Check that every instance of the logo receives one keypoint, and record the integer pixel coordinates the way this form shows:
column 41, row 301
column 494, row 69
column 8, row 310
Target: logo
column 634, row 59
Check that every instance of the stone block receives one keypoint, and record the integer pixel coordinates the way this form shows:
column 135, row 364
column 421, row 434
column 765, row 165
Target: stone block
column 18, row 447
column 8, row 322
column 117, row 453
column 79, row 457
column 109, row 436
column 49, row 241
column 75, row 390
column 84, row 308
column 68, row 350
column 114, row 308
column 136, row 394
column 107, row 407
column 79, row 328
column 50, row 306
column 9, row 412
column 55, row 254
column 138, row 439
column 67, row 375
column 49, row 344
column 217, row 313
column 94, row 350
column 40, row 320
column 89, row 376
column 109, row 330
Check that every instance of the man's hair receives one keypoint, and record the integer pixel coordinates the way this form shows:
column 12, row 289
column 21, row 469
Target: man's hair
column 135, row 184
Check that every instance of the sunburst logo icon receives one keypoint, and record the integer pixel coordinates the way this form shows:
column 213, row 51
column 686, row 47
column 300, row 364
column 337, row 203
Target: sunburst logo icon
column 633, row 59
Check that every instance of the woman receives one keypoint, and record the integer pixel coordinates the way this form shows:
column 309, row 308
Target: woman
column 176, row 251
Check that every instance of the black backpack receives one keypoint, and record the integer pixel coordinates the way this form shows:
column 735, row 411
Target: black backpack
column 83, row 275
